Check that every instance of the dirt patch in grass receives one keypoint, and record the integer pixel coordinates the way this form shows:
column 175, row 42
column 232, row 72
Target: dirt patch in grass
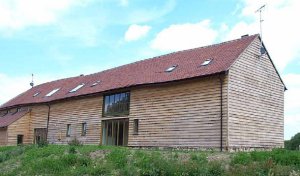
column 99, row 154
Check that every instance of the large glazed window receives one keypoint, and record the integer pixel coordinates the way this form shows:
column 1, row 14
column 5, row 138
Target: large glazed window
column 116, row 104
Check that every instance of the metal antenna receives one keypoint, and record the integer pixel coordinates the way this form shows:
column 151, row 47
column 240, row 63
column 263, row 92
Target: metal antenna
column 262, row 49
column 260, row 18
column 32, row 83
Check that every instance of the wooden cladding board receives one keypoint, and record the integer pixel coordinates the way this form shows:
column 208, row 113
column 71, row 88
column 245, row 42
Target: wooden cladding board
column 19, row 127
column 3, row 136
column 76, row 112
column 184, row 114
column 256, row 101
column 38, row 119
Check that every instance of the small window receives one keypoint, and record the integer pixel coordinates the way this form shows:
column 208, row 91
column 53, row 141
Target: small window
column 20, row 139
column 52, row 92
column 170, row 69
column 95, row 83
column 83, row 129
column 76, row 88
column 68, row 130
column 36, row 94
column 135, row 126
column 206, row 62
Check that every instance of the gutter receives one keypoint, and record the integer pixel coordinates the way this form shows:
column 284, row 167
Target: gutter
column 221, row 78
column 48, row 118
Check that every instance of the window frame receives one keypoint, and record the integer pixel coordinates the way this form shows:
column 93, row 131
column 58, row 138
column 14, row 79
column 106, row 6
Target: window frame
column 116, row 114
column 68, row 133
column 83, row 129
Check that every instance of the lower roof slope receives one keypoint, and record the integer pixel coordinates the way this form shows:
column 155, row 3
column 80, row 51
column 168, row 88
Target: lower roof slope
column 147, row 71
column 10, row 117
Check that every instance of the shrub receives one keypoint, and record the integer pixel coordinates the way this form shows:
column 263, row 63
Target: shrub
column 72, row 150
column 242, row 158
column 294, row 143
column 75, row 142
column 42, row 143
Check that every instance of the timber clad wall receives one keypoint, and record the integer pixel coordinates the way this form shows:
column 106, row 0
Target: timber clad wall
column 185, row 114
column 255, row 101
column 19, row 127
column 38, row 119
column 76, row 112
column 3, row 136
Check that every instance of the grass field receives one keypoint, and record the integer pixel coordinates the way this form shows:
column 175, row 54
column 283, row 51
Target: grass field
column 101, row 160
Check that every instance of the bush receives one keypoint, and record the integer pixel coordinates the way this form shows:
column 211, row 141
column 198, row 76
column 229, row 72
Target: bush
column 72, row 150
column 75, row 142
column 42, row 143
column 294, row 143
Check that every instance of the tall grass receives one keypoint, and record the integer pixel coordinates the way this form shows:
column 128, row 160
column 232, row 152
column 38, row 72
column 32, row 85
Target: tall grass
column 103, row 160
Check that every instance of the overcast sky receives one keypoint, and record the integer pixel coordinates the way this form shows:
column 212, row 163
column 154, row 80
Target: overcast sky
column 62, row 38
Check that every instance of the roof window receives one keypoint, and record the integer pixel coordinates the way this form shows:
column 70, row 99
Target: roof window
column 76, row 88
column 52, row 92
column 36, row 94
column 206, row 62
column 95, row 83
column 170, row 69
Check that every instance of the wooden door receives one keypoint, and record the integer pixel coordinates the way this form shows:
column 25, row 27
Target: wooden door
column 40, row 135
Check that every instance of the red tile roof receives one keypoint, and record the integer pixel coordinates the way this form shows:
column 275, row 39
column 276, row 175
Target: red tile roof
column 9, row 118
column 147, row 71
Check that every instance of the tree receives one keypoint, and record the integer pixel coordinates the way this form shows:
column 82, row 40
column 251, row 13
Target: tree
column 294, row 143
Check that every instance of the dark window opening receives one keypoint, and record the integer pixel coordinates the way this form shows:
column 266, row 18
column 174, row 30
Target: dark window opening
column 20, row 139
column 135, row 126
column 83, row 129
column 116, row 104
column 68, row 130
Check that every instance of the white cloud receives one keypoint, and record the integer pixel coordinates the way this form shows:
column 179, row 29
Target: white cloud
column 280, row 33
column 292, row 106
column 135, row 32
column 184, row 36
column 146, row 14
column 11, row 86
column 18, row 14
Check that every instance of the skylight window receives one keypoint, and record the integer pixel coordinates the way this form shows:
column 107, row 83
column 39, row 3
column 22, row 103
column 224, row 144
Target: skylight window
column 76, row 88
column 36, row 94
column 52, row 92
column 170, row 69
column 206, row 62
column 95, row 83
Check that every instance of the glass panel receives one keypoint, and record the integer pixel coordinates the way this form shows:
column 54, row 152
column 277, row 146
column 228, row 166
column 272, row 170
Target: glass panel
column 116, row 104
column 109, row 133
column 115, row 132
column 104, row 128
column 106, row 103
column 121, row 132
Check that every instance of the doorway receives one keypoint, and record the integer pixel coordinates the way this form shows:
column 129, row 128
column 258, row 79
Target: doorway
column 40, row 135
column 115, row 132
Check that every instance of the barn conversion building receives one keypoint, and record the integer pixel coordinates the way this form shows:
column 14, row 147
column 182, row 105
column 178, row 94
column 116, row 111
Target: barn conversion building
column 225, row 95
